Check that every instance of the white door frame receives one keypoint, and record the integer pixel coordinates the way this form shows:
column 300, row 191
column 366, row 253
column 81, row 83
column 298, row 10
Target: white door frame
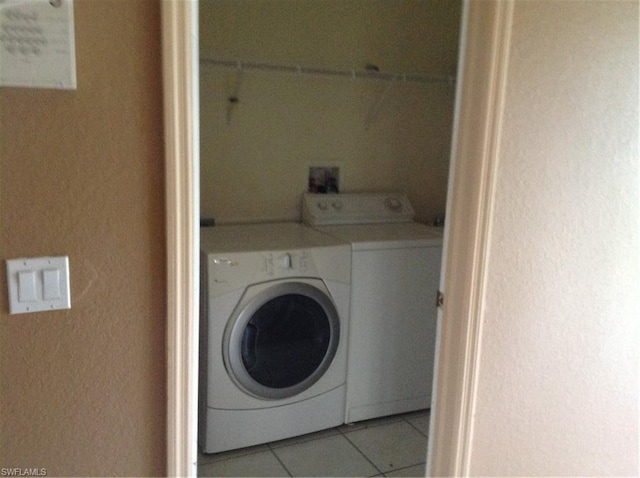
column 485, row 43
column 485, row 47
column 182, row 196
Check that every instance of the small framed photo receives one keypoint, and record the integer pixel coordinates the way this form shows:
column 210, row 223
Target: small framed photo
column 324, row 179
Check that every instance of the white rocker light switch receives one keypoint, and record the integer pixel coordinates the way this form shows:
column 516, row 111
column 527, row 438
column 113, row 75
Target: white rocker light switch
column 27, row 286
column 38, row 284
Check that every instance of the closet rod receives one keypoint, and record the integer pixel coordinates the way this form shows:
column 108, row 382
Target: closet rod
column 241, row 65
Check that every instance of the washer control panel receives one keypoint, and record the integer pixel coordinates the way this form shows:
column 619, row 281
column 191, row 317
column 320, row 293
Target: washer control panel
column 282, row 264
column 229, row 271
column 335, row 209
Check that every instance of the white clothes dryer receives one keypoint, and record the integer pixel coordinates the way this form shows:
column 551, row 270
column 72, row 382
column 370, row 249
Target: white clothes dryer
column 274, row 328
column 394, row 282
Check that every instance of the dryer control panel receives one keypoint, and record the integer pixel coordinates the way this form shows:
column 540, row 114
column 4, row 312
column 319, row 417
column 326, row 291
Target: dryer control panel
column 336, row 209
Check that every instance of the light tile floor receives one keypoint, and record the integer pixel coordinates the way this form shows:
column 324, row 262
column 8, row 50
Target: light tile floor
column 389, row 446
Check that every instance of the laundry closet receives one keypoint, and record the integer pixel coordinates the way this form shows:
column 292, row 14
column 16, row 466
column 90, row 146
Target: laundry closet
column 263, row 128
column 299, row 97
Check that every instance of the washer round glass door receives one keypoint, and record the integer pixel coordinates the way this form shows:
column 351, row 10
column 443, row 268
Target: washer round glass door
column 283, row 340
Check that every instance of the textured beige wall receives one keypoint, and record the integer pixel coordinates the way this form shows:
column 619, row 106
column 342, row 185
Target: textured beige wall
column 558, row 386
column 255, row 167
column 82, row 391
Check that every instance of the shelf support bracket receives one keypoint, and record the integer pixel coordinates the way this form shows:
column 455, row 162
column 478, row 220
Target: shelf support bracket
column 234, row 99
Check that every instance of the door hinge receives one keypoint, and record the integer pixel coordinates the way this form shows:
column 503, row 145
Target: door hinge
column 439, row 299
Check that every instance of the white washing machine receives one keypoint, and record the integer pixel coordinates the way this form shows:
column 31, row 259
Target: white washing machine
column 274, row 327
column 394, row 282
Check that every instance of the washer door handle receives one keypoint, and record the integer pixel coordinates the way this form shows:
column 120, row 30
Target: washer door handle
column 249, row 341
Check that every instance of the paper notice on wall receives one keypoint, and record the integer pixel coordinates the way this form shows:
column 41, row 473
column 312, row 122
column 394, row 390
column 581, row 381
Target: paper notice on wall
column 37, row 44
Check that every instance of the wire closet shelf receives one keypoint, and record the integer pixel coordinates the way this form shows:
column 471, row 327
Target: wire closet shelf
column 370, row 72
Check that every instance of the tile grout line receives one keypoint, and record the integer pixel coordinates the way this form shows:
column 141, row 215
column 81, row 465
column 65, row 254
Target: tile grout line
column 279, row 460
column 361, row 452
column 426, row 435
column 401, row 419
column 414, row 427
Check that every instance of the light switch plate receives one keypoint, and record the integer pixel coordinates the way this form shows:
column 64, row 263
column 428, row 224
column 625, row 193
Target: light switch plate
column 38, row 284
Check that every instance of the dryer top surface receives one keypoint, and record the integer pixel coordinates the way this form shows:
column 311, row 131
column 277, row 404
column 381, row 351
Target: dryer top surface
column 263, row 237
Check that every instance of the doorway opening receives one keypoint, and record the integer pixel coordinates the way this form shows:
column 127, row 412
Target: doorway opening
column 381, row 132
column 180, row 105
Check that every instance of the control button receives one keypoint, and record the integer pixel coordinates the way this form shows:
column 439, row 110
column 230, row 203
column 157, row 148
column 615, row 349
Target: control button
column 337, row 205
column 269, row 266
column 286, row 261
column 322, row 205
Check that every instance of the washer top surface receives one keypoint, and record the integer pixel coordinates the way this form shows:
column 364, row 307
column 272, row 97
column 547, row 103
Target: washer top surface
column 263, row 237
column 386, row 236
